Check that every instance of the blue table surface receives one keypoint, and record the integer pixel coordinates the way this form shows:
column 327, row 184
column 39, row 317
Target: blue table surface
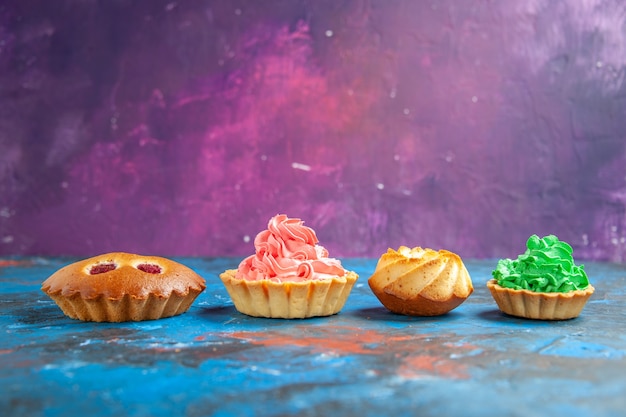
column 364, row 361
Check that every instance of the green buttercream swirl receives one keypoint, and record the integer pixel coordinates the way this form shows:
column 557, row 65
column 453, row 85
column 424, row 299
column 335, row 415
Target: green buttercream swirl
column 546, row 266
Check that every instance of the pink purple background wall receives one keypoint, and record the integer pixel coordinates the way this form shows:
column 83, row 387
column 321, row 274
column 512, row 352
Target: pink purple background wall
column 181, row 127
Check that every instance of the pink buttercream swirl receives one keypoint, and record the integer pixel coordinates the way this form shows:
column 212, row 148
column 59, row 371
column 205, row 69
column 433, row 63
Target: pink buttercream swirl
column 288, row 251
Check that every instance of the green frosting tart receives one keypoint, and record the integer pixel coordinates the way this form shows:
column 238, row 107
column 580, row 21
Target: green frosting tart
column 546, row 266
column 543, row 283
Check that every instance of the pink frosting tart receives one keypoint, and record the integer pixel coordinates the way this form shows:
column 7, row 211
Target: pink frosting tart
column 288, row 252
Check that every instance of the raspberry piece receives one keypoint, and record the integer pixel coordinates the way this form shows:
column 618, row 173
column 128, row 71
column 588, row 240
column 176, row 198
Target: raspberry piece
column 149, row 268
column 102, row 268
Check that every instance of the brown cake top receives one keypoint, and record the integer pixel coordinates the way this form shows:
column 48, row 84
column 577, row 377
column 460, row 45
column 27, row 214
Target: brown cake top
column 116, row 274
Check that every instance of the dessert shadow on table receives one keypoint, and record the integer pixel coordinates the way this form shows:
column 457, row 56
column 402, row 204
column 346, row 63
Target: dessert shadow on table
column 496, row 315
column 217, row 314
column 382, row 314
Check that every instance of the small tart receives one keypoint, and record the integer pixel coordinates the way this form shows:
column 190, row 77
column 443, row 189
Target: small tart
column 118, row 287
column 289, row 275
column 543, row 283
column 420, row 282
column 540, row 305
column 288, row 300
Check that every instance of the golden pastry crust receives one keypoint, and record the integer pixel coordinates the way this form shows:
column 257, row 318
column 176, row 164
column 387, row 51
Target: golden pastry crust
column 539, row 305
column 288, row 300
column 420, row 282
column 116, row 287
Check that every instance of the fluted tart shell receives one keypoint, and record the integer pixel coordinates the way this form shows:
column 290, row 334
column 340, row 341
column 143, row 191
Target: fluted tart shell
column 539, row 305
column 118, row 287
column 288, row 300
column 420, row 282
